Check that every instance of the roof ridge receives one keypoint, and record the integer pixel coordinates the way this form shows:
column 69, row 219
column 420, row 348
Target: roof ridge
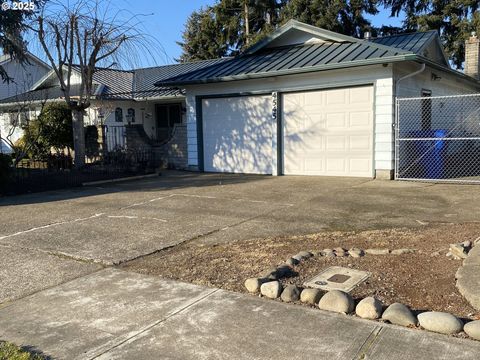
column 402, row 34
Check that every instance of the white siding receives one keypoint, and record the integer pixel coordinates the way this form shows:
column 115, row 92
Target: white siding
column 448, row 84
column 378, row 75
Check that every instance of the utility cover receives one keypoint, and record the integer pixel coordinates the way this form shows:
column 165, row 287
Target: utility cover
column 337, row 278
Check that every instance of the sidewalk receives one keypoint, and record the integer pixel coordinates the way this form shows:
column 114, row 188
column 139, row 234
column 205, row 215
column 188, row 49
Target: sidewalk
column 113, row 314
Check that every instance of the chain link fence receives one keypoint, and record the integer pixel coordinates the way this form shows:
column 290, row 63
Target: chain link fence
column 438, row 138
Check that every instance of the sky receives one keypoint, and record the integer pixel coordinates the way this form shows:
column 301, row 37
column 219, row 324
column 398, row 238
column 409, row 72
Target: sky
column 164, row 20
column 169, row 19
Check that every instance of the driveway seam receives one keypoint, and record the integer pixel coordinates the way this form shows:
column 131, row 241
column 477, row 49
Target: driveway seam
column 151, row 326
column 197, row 237
column 12, row 302
column 368, row 344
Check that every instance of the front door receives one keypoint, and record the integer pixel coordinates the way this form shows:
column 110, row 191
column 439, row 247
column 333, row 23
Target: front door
column 167, row 115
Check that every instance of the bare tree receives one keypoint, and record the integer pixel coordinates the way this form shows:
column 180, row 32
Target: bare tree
column 79, row 38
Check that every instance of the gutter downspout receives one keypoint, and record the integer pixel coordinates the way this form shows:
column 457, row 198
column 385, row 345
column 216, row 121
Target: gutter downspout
column 395, row 123
column 422, row 68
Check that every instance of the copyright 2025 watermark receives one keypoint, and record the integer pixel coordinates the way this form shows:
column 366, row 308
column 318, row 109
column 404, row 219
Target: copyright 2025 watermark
column 17, row 6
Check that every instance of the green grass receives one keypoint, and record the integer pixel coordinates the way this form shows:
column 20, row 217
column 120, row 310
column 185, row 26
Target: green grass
column 9, row 351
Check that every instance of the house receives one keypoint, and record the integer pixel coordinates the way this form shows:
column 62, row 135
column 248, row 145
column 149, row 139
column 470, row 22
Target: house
column 132, row 110
column 23, row 76
column 306, row 101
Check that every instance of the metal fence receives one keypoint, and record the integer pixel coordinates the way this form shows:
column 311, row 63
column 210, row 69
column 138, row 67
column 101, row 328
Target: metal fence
column 57, row 172
column 438, row 138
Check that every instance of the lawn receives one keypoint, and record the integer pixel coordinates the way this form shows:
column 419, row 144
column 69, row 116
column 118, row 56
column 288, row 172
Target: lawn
column 9, row 351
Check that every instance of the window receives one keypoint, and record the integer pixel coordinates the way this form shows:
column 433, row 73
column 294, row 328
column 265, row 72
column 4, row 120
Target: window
column 118, row 114
column 18, row 118
column 426, row 110
column 131, row 115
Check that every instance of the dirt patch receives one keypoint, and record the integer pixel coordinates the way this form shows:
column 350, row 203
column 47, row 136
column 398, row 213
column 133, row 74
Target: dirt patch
column 420, row 280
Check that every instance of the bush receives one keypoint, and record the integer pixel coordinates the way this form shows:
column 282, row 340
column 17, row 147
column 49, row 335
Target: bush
column 51, row 129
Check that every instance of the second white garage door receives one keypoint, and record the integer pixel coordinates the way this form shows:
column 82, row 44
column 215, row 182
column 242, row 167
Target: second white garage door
column 329, row 132
column 237, row 134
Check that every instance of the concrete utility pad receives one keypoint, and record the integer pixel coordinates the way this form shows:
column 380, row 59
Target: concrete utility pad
column 337, row 278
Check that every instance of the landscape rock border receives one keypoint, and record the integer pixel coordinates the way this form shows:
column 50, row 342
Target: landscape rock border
column 369, row 308
column 468, row 276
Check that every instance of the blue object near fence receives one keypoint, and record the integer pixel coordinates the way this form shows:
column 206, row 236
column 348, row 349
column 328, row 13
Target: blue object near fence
column 431, row 153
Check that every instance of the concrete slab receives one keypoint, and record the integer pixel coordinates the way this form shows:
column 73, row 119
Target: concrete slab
column 233, row 326
column 113, row 314
column 94, row 312
column 23, row 272
column 399, row 343
column 141, row 228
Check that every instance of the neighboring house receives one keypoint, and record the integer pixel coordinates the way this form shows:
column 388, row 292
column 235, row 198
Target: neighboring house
column 23, row 76
column 306, row 101
column 135, row 112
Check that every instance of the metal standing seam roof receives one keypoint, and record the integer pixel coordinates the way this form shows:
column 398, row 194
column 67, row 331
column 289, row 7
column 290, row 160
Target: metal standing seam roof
column 291, row 59
column 116, row 84
column 414, row 42
column 343, row 52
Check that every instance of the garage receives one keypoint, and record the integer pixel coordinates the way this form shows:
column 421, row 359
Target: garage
column 328, row 132
column 237, row 134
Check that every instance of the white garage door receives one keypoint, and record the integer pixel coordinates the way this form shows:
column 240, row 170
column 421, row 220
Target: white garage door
column 237, row 134
column 329, row 132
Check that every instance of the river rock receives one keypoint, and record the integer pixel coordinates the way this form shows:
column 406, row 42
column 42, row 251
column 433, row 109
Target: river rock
column 402, row 251
column 473, row 329
column 253, row 284
column 305, row 254
column 369, row 308
column 337, row 301
column 458, row 250
column 356, row 252
column 399, row 314
column 440, row 322
column 328, row 253
column 378, row 251
column 310, row 296
column 340, row 252
column 292, row 262
column 271, row 289
column 291, row 293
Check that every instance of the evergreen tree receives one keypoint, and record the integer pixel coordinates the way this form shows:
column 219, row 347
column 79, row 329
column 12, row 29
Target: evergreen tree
column 200, row 39
column 221, row 30
column 453, row 19
column 12, row 26
column 342, row 16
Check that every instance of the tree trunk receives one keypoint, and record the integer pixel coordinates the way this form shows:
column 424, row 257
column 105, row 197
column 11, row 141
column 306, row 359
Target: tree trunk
column 78, row 138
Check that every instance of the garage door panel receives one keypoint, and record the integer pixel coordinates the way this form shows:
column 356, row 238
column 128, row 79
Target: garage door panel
column 336, row 135
column 237, row 134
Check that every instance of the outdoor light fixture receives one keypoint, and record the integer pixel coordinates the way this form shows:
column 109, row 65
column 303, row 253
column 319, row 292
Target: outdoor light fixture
column 435, row 77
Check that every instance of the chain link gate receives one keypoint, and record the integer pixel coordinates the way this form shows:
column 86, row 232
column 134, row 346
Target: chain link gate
column 437, row 138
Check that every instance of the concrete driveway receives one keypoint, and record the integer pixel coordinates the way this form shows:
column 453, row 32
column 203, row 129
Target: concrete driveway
column 49, row 238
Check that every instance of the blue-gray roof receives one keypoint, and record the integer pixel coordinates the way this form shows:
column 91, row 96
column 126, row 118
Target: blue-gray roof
column 414, row 42
column 291, row 59
column 121, row 84
column 331, row 51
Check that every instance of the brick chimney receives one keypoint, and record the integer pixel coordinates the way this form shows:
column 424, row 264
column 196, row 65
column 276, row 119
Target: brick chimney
column 472, row 56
